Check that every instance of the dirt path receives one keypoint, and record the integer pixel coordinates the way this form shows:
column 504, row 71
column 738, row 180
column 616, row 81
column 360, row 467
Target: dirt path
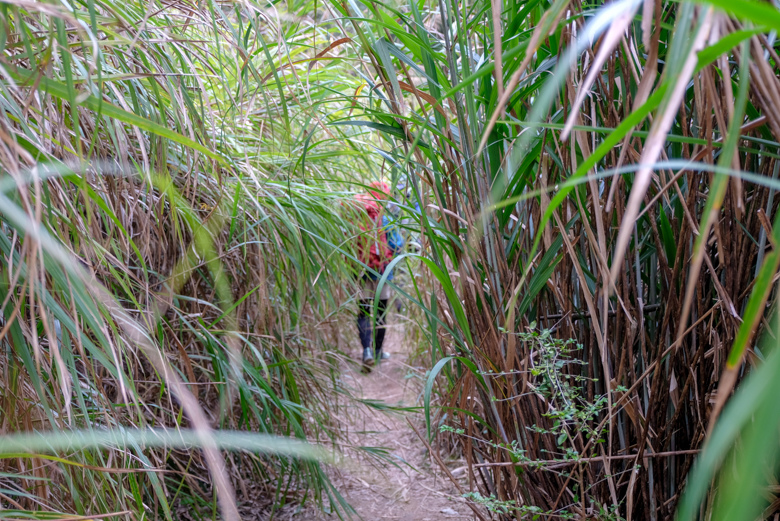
column 414, row 490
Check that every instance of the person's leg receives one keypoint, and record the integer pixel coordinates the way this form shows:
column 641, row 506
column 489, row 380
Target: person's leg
column 379, row 331
column 364, row 328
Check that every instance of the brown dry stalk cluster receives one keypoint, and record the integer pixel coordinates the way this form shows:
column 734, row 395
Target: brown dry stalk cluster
column 659, row 371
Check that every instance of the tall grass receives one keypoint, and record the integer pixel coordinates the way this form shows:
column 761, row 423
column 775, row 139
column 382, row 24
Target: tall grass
column 609, row 178
column 170, row 252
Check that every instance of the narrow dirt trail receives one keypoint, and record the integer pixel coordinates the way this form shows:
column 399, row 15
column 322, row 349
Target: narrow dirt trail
column 415, row 489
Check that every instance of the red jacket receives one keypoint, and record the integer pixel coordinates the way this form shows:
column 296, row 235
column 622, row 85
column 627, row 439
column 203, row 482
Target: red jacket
column 373, row 249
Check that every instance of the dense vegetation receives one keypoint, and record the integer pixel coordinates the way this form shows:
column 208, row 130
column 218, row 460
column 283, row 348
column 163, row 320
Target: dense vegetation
column 594, row 190
column 162, row 260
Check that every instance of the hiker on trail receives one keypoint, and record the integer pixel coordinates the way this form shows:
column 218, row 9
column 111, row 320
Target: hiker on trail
column 379, row 242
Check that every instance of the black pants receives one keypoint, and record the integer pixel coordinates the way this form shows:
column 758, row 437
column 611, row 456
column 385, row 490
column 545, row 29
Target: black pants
column 365, row 307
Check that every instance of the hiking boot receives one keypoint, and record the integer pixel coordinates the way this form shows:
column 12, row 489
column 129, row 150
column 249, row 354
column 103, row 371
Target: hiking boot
column 384, row 355
column 368, row 359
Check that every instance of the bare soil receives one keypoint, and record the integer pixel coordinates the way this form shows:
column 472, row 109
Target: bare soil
column 410, row 487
